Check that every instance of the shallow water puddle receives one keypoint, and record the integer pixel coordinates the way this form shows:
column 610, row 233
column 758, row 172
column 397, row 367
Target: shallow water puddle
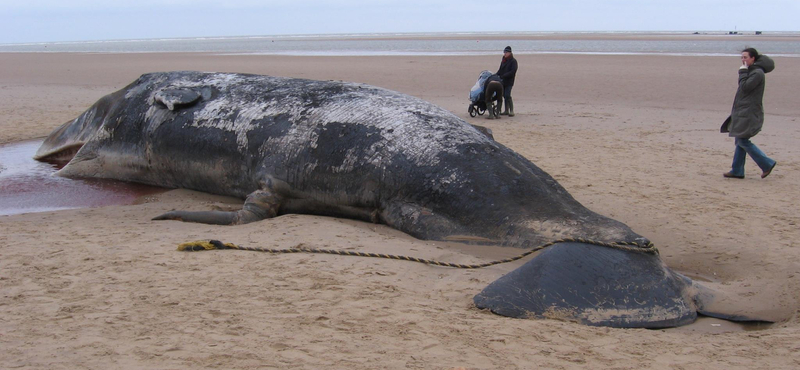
column 28, row 186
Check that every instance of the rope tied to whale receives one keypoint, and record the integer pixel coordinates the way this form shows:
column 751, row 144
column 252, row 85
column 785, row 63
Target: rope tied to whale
column 204, row 245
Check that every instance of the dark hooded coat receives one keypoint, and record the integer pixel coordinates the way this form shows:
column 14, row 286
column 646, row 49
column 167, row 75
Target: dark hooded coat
column 747, row 114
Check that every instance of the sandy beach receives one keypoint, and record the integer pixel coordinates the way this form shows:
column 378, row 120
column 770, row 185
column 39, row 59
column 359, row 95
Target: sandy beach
column 635, row 138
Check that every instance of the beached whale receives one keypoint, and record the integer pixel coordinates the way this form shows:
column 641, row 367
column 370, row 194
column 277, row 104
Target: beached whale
column 352, row 150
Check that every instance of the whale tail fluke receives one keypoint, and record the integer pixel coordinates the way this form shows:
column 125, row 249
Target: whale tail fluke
column 593, row 285
column 615, row 287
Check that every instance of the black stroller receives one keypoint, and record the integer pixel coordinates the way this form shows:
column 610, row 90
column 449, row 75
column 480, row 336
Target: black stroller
column 477, row 98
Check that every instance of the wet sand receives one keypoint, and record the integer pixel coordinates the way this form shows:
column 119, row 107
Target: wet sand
column 631, row 137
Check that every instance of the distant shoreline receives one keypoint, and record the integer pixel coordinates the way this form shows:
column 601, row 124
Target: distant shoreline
column 533, row 35
column 786, row 44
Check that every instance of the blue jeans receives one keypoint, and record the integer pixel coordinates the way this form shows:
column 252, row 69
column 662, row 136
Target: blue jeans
column 507, row 92
column 745, row 147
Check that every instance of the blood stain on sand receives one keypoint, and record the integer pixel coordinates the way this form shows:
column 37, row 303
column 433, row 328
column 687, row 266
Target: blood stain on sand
column 27, row 185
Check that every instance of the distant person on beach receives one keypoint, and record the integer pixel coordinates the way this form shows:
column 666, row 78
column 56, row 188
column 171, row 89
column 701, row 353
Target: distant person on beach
column 508, row 71
column 747, row 114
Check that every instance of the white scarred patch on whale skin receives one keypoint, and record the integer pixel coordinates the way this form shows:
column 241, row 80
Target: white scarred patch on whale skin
column 219, row 114
column 409, row 126
column 235, row 110
column 395, row 115
column 106, row 131
column 221, row 80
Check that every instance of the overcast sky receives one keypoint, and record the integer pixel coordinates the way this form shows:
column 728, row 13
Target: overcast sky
column 78, row 20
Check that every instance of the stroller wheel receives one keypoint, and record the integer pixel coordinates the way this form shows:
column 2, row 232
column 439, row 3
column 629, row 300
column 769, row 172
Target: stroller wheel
column 481, row 111
column 471, row 111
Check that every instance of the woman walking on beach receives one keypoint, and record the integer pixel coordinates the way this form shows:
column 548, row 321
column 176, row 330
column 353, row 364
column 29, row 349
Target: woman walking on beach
column 747, row 114
column 508, row 71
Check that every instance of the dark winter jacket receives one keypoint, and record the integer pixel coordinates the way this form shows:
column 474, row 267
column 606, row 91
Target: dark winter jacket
column 747, row 114
column 508, row 71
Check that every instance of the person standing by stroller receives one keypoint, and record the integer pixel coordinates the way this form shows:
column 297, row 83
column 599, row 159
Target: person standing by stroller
column 747, row 114
column 508, row 72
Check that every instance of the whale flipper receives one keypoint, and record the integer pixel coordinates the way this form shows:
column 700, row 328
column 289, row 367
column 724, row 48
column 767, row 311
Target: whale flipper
column 259, row 205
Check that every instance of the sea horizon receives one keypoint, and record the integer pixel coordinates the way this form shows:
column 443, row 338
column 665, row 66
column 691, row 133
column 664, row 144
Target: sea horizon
column 697, row 43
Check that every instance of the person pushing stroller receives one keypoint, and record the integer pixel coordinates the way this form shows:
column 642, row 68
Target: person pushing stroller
column 508, row 73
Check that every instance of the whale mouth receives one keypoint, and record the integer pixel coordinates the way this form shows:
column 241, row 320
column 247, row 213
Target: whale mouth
column 59, row 155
